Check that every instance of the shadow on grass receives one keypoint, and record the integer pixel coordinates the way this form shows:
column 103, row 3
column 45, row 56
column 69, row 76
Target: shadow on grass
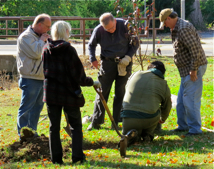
column 99, row 145
column 38, row 148
column 200, row 144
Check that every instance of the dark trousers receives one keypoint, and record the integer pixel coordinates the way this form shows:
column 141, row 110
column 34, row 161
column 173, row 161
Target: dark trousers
column 107, row 75
column 74, row 116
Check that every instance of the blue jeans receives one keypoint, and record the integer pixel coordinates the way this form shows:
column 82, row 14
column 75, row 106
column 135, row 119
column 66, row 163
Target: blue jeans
column 31, row 103
column 189, row 102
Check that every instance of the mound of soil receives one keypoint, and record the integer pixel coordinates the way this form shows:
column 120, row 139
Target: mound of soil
column 26, row 133
column 35, row 148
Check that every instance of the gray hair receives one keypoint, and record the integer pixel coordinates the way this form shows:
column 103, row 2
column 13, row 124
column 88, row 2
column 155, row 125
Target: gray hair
column 40, row 18
column 59, row 30
column 105, row 18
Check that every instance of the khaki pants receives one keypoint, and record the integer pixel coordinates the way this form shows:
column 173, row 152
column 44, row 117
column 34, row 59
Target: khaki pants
column 143, row 126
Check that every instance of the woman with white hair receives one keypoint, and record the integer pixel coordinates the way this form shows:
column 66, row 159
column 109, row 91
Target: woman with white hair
column 64, row 74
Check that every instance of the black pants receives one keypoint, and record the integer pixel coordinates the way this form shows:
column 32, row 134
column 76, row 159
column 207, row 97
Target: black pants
column 74, row 116
column 107, row 75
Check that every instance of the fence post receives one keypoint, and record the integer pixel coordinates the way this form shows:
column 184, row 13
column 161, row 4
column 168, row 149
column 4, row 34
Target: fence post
column 6, row 27
column 81, row 27
column 153, row 25
column 83, row 36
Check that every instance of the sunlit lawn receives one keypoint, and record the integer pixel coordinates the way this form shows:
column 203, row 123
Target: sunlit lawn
column 166, row 151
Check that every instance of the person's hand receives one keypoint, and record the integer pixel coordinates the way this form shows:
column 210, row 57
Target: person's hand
column 97, row 84
column 95, row 64
column 161, row 122
column 45, row 37
column 193, row 75
column 125, row 61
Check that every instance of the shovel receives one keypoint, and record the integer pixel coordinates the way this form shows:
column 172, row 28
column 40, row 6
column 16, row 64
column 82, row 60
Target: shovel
column 124, row 139
column 67, row 128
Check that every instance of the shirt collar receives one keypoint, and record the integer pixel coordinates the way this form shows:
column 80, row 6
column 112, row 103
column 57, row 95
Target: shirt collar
column 177, row 25
column 157, row 72
column 34, row 31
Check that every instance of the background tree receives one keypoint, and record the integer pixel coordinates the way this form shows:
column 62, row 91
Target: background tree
column 208, row 12
column 176, row 5
column 196, row 16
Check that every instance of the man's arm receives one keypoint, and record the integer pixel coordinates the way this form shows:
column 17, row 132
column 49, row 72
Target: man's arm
column 92, row 48
column 166, row 106
column 31, row 48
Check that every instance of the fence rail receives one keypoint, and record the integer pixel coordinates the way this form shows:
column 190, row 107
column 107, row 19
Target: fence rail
column 20, row 26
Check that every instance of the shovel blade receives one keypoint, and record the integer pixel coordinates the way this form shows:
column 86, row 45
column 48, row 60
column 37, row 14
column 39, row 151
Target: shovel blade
column 68, row 131
column 123, row 146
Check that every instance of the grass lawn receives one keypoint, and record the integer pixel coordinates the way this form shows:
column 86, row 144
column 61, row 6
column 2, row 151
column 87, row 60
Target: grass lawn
column 168, row 150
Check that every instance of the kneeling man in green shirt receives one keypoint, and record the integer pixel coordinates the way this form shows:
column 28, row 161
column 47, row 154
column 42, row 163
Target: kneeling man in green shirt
column 147, row 101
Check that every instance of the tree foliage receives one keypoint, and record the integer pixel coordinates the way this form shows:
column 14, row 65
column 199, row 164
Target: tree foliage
column 175, row 4
column 92, row 8
column 207, row 11
column 86, row 8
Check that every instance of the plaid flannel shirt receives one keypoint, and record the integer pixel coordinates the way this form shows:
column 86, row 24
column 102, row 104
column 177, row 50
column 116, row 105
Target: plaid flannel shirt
column 188, row 52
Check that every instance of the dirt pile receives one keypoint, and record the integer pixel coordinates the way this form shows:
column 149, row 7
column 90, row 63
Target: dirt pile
column 30, row 149
column 37, row 148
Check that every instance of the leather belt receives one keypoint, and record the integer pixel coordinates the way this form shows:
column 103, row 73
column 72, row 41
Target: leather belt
column 116, row 59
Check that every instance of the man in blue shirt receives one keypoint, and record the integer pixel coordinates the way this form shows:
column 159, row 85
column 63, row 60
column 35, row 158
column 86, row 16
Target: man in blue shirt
column 117, row 49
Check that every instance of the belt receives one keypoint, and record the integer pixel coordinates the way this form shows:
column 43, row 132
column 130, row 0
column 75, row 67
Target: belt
column 116, row 59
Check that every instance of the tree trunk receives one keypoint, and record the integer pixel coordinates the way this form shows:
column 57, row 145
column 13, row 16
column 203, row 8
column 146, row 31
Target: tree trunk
column 196, row 17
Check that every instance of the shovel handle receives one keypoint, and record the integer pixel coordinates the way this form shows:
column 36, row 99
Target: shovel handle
column 66, row 117
column 107, row 109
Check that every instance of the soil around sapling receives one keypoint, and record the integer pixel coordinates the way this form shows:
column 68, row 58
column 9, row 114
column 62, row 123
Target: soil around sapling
column 37, row 148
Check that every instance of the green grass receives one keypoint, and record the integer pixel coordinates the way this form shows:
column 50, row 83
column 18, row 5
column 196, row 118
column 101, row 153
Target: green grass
column 166, row 151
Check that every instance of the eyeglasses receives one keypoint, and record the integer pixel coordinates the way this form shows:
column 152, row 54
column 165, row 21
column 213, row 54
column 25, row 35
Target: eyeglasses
column 49, row 27
column 110, row 28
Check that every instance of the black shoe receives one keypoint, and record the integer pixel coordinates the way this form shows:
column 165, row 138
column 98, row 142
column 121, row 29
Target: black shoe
column 191, row 134
column 178, row 130
column 132, row 137
column 147, row 138
column 158, row 131
column 93, row 126
column 57, row 162
column 80, row 161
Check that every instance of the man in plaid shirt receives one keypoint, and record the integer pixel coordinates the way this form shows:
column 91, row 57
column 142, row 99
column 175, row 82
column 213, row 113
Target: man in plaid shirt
column 191, row 62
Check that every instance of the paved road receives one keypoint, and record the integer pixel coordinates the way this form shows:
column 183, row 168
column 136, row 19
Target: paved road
column 166, row 49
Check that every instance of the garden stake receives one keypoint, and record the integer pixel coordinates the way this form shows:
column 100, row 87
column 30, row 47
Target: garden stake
column 44, row 118
column 124, row 139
